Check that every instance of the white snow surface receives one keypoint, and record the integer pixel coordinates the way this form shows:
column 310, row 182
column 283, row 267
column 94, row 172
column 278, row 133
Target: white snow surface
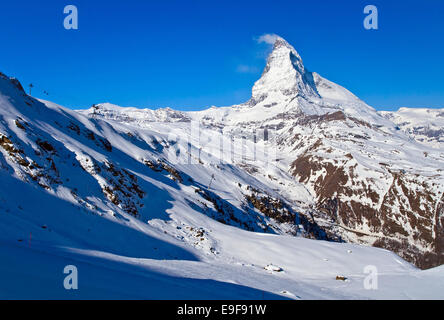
column 175, row 249
column 422, row 124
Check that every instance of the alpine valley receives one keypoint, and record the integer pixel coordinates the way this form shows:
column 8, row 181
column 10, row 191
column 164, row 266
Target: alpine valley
column 293, row 194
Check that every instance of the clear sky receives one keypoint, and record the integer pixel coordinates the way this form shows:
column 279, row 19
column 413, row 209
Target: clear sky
column 193, row 54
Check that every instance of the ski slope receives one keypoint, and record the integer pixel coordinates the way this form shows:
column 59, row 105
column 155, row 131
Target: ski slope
column 145, row 208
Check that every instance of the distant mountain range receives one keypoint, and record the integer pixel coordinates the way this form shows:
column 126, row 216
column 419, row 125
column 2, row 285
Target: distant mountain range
column 303, row 158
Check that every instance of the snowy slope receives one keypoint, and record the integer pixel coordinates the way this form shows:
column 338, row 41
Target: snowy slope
column 168, row 204
column 135, row 116
column 365, row 179
column 151, row 261
column 423, row 125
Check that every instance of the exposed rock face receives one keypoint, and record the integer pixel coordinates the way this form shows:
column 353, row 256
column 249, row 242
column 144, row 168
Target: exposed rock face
column 423, row 125
column 370, row 182
column 340, row 170
column 404, row 215
column 376, row 193
column 284, row 75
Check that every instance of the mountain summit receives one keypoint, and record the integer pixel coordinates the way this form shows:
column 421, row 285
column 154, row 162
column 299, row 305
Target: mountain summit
column 284, row 75
column 160, row 201
column 368, row 180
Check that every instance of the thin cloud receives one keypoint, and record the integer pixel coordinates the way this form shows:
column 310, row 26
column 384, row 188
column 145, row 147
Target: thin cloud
column 242, row 68
column 269, row 38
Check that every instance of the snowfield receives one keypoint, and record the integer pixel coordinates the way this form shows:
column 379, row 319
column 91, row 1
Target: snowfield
column 423, row 125
column 278, row 198
column 133, row 260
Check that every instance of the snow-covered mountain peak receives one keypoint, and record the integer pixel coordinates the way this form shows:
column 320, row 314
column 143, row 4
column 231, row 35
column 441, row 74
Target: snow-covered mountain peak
column 284, row 76
column 422, row 124
column 282, row 43
column 287, row 87
column 140, row 117
column 122, row 190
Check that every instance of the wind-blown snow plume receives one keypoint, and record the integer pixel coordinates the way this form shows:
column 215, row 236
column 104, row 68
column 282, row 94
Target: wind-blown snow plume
column 103, row 193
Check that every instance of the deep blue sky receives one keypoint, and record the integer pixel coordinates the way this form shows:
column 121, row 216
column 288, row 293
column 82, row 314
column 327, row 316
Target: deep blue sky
column 193, row 54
